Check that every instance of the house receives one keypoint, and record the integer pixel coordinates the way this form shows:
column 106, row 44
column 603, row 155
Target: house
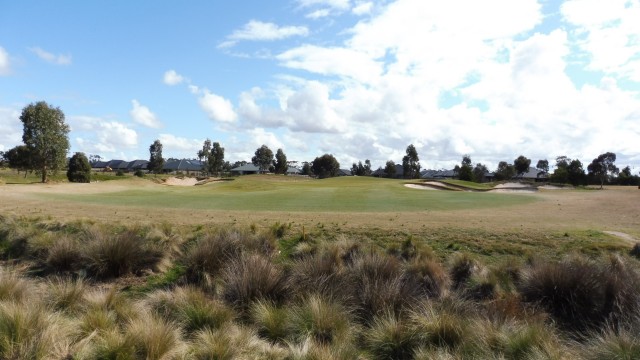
column 533, row 174
column 344, row 172
column 247, row 169
column 136, row 165
column 437, row 174
column 186, row 165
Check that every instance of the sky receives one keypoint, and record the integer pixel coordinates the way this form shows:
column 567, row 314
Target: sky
column 358, row 79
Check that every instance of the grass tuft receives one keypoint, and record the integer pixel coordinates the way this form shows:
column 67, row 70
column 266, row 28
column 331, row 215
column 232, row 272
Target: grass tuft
column 390, row 338
column 320, row 319
column 253, row 277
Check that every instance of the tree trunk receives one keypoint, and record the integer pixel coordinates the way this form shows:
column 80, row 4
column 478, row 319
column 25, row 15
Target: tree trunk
column 44, row 174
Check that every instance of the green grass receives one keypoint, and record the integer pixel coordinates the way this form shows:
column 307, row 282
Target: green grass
column 279, row 193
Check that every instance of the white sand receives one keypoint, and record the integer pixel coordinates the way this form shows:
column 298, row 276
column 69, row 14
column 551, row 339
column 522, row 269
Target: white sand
column 420, row 187
column 173, row 181
column 511, row 185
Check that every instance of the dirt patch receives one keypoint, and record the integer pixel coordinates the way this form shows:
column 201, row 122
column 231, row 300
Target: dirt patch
column 623, row 236
column 174, row 181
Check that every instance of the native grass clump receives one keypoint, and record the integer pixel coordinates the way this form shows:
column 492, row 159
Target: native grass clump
column 83, row 290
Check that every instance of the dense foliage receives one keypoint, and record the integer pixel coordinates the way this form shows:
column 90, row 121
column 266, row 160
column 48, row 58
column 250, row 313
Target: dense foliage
column 79, row 169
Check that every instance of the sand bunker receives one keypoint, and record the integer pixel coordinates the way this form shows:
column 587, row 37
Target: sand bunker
column 174, row 181
column 511, row 185
column 420, row 187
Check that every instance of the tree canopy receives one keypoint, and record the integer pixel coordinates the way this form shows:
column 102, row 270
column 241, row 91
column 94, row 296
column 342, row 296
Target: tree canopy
column 521, row 164
column 465, row 171
column 602, row 166
column 390, row 169
column 263, row 158
column 156, row 161
column 411, row 163
column 46, row 136
column 79, row 168
column 543, row 166
column 280, row 164
column 215, row 161
column 325, row 166
column 505, row 171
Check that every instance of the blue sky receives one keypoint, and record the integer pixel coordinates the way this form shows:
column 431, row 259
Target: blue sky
column 359, row 79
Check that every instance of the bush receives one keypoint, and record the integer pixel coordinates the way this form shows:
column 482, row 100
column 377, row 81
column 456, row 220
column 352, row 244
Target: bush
column 79, row 169
column 138, row 173
column 119, row 173
column 250, row 278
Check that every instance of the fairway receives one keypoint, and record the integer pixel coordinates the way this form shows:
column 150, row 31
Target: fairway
column 278, row 193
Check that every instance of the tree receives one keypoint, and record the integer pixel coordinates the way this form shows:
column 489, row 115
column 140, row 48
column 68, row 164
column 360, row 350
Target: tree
column 465, row 172
column 46, row 135
column 19, row 158
column 79, row 169
column 263, row 158
column 156, row 161
column 575, row 173
column 215, row 161
column 361, row 170
column 94, row 158
column 325, row 166
column 390, row 169
column 602, row 166
column 306, row 169
column 543, row 166
column 505, row 171
column 479, row 172
column 203, row 155
column 627, row 178
column 521, row 165
column 280, row 164
column 411, row 163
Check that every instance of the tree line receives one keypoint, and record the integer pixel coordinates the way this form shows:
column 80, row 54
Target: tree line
column 46, row 144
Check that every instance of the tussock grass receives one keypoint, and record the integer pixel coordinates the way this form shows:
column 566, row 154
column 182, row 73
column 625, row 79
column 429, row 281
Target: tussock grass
column 108, row 256
column 270, row 321
column 64, row 294
column 14, row 287
column 233, row 342
column 64, row 255
column 209, row 255
column 612, row 344
column 320, row 319
column 390, row 338
column 253, row 277
column 428, row 276
column 154, row 338
column 440, row 325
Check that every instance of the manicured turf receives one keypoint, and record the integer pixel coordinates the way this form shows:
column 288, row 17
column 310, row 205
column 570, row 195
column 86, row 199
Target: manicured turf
column 280, row 193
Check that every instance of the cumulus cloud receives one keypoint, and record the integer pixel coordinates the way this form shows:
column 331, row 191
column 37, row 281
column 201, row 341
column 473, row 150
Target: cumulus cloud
column 10, row 128
column 142, row 115
column 362, row 8
column 335, row 4
column 171, row 77
column 217, row 108
column 256, row 30
column 5, row 68
column 106, row 137
column 173, row 144
column 320, row 13
column 52, row 58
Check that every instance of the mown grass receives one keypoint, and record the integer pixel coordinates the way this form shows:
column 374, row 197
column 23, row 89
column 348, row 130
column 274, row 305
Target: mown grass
column 268, row 193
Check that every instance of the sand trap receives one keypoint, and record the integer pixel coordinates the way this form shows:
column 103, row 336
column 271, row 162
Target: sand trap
column 174, row 181
column 420, row 187
column 514, row 191
column 550, row 187
column 511, row 185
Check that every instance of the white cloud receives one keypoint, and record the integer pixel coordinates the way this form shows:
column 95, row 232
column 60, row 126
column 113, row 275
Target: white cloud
column 171, row 78
column 608, row 33
column 320, row 13
column 5, row 66
column 10, row 128
column 142, row 115
column 95, row 135
column 217, row 108
column 173, row 144
column 256, row 30
column 362, row 8
column 59, row 59
column 335, row 4
column 260, row 136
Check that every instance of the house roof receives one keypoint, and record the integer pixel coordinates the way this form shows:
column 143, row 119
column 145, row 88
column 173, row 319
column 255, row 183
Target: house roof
column 118, row 164
column 344, row 172
column 246, row 168
column 138, row 164
column 99, row 164
column 437, row 174
column 182, row 165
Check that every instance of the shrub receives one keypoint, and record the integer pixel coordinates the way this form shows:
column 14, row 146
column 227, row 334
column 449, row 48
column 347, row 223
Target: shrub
column 390, row 338
column 119, row 173
column 250, row 278
column 114, row 256
column 79, row 169
column 138, row 173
